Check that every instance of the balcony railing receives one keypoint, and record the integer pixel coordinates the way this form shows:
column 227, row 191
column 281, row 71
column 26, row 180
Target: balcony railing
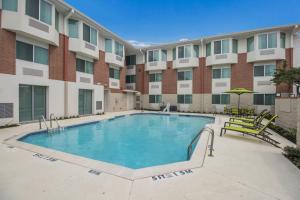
column 229, row 58
column 186, row 62
column 266, row 54
column 156, row 65
column 84, row 48
column 114, row 59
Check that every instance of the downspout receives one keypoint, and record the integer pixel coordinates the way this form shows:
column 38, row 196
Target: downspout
column 65, row 60
column 202, row 87
column 142, row 88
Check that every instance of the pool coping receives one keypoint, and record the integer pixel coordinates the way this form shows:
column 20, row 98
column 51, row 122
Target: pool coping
column 196, row 160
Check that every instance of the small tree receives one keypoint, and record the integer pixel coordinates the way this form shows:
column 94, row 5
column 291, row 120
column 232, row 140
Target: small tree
column 288, row 76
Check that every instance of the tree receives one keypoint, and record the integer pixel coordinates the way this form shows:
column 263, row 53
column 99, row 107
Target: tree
column 286, row 75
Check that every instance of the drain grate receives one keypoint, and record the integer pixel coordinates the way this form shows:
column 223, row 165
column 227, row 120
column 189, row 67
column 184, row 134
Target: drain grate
column 95, row 172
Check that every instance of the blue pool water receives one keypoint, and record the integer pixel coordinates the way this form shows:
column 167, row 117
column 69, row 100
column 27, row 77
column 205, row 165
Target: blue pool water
column 133, row 141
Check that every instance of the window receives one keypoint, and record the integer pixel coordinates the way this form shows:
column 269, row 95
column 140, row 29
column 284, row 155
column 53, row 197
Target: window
column 118, row 49
column 73, row 28
column 223, row 99
column 184, row 75
column 130, row 60
column 221, row 46
column 196, row 51
column 89, row 34
column 154, row 98
column 114, row 73
column 264, row 99
column 264, row 70
column 56, row 20
column 250, row 44
column 234, row 46
column 174, row 53
column 208, row 49
column 84, row 66
column 221, row 73
column 153, row 55
column 282, row 40
column 130, row 79
column 108, row 45
column 31, row 53
column 11, row 5
column 156, row 77
column 163, row 55
column 39, row 9
column 267, row 40
column 184, row 99
column 185, row 51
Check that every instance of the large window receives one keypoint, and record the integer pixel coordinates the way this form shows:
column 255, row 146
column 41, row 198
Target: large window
column 174, row 53
column 153, row 55
column 130, row 79
column 11, row 5
column 84, row 66
column 163, row 55
column 221, row 46
column 154, row 98
column 224, row 72
column 264, row 70
column 119, row 49
column 196, row 51
column 208, row 49
column 185, row 51
column 130, row 60
column 114, row 73
column 250, row 44
column 39, row 9
column 184, row 98
column 31, row 53
column 73, row 28
column 222, row 99
column 184, row 75
column 155, row 77
column 264, row 99
column 56, row 20
column 282, row 40
column 90, row 34
column 234, row 46
column 108, row 45
column 267, row 40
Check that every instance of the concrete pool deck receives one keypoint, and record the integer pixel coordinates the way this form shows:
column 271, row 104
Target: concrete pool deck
column 242, row 168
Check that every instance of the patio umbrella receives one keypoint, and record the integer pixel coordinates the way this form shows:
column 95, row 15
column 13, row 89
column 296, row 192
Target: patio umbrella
column 239, row 91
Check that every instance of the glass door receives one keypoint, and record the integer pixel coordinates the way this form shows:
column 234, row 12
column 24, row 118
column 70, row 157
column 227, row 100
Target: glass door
column 85, row 102
column 32, row 102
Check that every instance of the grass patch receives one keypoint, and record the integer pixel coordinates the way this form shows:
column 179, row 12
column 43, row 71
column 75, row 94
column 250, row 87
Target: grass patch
column 293, row 154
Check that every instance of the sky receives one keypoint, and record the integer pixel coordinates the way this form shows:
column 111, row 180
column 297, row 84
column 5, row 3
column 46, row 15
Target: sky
column 145, row 22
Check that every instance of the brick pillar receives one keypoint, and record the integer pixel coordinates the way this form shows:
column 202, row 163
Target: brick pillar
column 140, row 71
column 56, row 59
column 169, row 79
column 101, row 70
column 283, row 87
column 242, row 73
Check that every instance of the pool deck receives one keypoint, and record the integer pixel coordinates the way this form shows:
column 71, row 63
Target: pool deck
column 241, row 168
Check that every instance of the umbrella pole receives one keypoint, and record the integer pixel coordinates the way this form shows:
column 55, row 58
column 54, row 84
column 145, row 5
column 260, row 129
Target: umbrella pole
column 239, row 105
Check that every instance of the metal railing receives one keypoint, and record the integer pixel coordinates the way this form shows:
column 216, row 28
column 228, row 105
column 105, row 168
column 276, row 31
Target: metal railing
column 51, row 129
column 42, row 119
column 196, row 138
column 52, row 117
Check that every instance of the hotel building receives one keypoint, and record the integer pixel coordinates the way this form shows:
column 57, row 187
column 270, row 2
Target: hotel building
column 56, row 60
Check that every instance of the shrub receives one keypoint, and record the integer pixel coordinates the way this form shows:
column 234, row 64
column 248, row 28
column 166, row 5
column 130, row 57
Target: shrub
column 293, row 154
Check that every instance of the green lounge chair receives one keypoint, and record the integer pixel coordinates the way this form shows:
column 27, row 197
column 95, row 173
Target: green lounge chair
column 247, row 119
column 257, row 133
column 253, row 125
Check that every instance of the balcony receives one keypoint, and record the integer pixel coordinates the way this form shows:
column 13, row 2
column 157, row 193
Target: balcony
column 229, row 58
column 130, row 86
column 83, row 48
column 266, row 54
column 156, row 65
column 185, row 87
column 155, row 88
column 114, row 59
column 26, row 25
column 114, row 83
column 84, row 78
column 186, row 62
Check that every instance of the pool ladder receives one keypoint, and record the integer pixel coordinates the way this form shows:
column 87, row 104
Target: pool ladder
column 211, row 146
column 51, row 129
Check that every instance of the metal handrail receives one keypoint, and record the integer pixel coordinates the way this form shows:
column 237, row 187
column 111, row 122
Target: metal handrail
column 44, row 120
column 211, row 146
column 52, row 117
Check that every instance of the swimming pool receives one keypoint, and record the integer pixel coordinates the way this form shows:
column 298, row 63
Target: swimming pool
column 134, row 141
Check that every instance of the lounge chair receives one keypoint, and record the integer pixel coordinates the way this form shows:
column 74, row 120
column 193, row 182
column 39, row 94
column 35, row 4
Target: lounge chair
column 257, row 133
column 248, row 119
column 256, row 123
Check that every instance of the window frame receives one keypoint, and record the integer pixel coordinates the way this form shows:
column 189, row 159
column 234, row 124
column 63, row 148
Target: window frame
column 221, row 72
column 221, row 46
column 157, row 77
column 220, row 99
column 264, row 99
column 85, row 66
column 114, row 72
column 184, row 75
column 39, row 11
column 149, row 53
column 77, row 24
column 206, row 49
column 250, row 48
column 90, row 34
column 12, row 10
column 267, row 34
column 157, row 98
column 184, row 51
column 33, row 47
column 116, row 43
column 185, row 99
column 264, row 67
column 130, row 79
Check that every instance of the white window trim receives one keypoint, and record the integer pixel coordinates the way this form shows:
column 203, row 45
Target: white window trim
column 90, row 33
column 159, row 56
column 39, row 19
column 114, row 48
column 184, row 57
column 185, row 70
column 221, row 68
column 230, row 46
column 263, row 64
column 267, row 33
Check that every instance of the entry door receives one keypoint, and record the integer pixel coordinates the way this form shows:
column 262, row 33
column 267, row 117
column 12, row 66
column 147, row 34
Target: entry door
column 85, row 102
column 32, row 102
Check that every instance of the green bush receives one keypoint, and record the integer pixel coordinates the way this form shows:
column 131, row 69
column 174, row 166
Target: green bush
column 293, row 154
column 288, row 134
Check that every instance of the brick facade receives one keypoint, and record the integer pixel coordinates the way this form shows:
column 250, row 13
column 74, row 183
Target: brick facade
column 123, row 78
column 101, row 70
column 205, row 76
column 242, row 73
column 8, row 51
column 71, row 67
column 284, row 88
column 140, row 70
column 169, row 79
column 56, row 60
